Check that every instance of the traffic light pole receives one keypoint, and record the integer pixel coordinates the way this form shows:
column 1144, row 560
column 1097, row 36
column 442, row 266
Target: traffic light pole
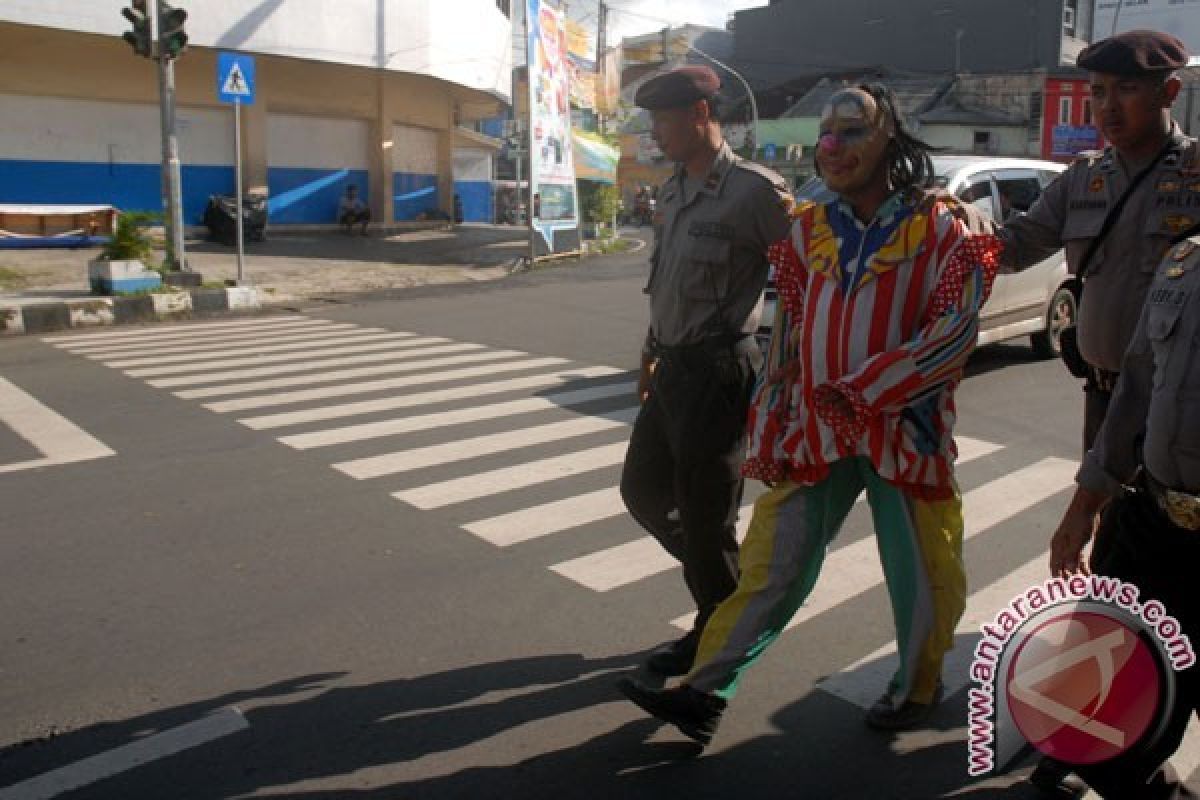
column 176, row 257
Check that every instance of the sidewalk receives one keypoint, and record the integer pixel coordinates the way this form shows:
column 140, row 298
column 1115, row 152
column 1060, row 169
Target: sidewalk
column 44, row 290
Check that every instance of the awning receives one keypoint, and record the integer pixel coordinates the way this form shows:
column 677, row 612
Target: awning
column 594, row 160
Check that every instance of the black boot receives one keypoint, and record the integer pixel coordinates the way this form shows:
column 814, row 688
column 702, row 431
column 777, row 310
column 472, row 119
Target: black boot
column 695, row 713
column 1056, row 779
column 675, row 658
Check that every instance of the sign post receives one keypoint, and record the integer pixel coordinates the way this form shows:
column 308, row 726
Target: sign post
column 235, row 85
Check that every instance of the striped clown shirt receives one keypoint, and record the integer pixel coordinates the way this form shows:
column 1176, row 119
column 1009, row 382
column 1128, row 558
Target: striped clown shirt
column 879, row 318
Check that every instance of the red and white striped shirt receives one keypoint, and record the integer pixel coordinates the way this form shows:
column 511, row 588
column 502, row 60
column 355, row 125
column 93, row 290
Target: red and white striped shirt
column 884, row 315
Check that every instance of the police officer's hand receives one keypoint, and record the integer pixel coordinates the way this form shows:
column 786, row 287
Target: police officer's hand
column 1074, row 532
column 647, row 372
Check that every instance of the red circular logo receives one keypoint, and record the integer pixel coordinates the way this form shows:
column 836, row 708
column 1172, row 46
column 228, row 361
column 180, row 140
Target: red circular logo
column 1083, row 687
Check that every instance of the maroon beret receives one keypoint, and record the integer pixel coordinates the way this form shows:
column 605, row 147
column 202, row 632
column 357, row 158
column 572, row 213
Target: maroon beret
column 677, row 88
column 1135, row 53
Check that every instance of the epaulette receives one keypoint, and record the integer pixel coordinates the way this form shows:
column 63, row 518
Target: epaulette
column 769, row 174
column 1090, row 156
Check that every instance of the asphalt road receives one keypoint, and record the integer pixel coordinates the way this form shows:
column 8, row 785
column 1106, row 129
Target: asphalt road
column 328, row 562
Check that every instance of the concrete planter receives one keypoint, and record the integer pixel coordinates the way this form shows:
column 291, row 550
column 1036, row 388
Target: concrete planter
column 114, row 277
column 167, row 304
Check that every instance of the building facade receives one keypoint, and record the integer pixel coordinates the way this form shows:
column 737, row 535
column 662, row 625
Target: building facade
column 375, row 93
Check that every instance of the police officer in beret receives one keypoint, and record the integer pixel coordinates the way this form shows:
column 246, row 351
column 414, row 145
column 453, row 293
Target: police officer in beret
column 719, row 214
column 1114, row 211
column 1145, row 466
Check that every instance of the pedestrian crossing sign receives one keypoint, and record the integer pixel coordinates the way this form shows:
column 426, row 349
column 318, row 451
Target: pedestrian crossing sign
column 235, row 78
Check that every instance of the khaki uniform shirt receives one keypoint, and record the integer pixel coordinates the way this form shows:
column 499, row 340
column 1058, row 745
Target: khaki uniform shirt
column 1070, row 214
column 710, row 257
column 1154, row 418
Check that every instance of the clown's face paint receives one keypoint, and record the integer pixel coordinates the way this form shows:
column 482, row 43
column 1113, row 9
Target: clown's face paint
column 854, row 138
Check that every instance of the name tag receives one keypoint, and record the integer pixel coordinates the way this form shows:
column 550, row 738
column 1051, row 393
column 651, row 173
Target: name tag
column 714, row 230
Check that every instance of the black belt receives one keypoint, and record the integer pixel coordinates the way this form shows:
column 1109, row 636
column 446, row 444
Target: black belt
column 1181, row 508
column 711, row 346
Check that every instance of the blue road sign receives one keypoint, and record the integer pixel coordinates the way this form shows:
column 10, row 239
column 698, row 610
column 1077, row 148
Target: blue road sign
column 235, row 78
column 769, row 152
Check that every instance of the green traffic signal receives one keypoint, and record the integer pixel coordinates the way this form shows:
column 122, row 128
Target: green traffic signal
column 171, row 36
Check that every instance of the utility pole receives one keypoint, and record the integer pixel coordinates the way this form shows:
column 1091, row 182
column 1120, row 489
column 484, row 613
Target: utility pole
column 601, row 46
column 176, row 257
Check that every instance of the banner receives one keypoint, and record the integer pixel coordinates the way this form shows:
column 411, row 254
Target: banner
column 595, row 160
column 583, row 87
column 608, row 91
column 552, row 164
column 580, row 47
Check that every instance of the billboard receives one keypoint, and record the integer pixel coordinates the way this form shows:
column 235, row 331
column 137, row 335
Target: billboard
column 1178, row 17
column 552, row 164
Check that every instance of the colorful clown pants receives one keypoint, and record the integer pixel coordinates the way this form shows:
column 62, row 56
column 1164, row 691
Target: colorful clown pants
column 920, row 545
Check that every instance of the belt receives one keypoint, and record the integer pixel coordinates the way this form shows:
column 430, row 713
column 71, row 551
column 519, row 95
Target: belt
column 711, row 345
column 1181, row 508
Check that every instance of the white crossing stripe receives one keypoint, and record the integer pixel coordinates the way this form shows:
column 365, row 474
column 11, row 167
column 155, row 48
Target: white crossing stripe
column 464, row 449
column 861, row 683
column 628, row 563
column 126, row 757
column 642, row 558
column 59, row 440
column 543, row 520
column 174, row 342
column 403, row 349
column 854, row 569
column 392, row 355
column 305, row 395
column 196, row 328
column 520, row 476
column 287, row 418
column 441, row 419
column 192, row 354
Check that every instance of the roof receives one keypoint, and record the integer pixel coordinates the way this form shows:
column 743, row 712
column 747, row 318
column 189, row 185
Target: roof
column 913, row 95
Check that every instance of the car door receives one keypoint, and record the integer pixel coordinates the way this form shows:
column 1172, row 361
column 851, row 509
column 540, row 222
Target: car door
column 979, row 190
column 1017, row 189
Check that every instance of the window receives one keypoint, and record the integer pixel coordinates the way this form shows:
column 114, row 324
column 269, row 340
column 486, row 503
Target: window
column 1069, row 18
column 1087, row 111
column 982, row 142
column 1017, row 191
column 979, row 194
column 1064, row 111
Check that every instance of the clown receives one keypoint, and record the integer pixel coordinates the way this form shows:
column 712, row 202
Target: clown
column 880, row 291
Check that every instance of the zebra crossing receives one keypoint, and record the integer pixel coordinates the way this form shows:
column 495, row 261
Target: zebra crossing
column 491, row 435
column 521, row 447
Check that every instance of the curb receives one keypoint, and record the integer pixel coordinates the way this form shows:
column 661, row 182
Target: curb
column 93, row 312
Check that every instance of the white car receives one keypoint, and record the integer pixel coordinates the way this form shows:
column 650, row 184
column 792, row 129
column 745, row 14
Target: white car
column 1038, row 302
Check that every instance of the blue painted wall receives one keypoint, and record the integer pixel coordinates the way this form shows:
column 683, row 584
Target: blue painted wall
column 414, row 194
column 494, row 127
column 304, row 195
column 477, row 200
column 129, row 187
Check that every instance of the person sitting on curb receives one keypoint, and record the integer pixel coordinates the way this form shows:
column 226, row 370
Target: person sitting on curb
column 353, row 211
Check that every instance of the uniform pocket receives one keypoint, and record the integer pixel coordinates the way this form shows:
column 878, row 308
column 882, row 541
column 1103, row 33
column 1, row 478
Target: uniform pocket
column 1078, row 232
column 706, row 275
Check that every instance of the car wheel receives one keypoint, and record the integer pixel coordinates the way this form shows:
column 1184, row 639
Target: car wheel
column 1060, row 315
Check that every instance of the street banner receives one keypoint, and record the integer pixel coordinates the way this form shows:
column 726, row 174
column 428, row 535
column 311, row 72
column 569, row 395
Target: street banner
column 595, row 160
column 608, row 92
column 552, row 165
column 581, row 48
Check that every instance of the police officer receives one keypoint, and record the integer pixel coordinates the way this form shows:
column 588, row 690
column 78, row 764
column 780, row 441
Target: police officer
column 1150, row 441
column 718, row 215
column 1133, row 85
column 1114, row 211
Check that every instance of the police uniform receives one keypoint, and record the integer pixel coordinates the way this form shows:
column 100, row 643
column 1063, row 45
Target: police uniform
column 1072, row 210
column 1150, row 441
column 681, row 480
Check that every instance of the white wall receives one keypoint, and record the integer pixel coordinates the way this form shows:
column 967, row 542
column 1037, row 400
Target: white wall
column 467, row 42
column 414, row 150
column 316, row 142
column 1006, row 141
column 472, row 164
column 61, row 129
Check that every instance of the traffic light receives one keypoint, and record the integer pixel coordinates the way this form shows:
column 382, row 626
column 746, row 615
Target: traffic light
column 171, row 37
column 138, row 38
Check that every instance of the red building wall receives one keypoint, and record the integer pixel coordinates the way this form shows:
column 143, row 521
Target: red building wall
column 1068, row 105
